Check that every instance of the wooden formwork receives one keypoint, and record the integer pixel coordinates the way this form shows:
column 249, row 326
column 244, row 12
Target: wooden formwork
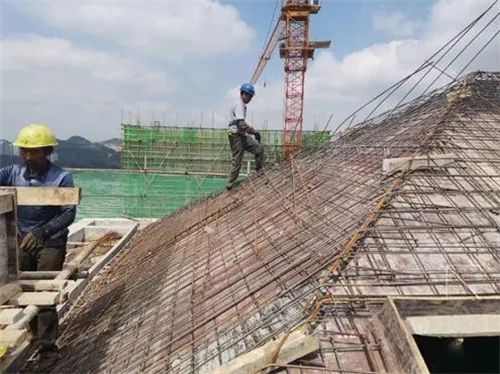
column 92, row 243
column 21, row 299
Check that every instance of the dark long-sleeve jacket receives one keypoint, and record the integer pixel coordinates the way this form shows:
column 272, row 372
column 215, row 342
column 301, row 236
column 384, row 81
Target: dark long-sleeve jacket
column 51, row 222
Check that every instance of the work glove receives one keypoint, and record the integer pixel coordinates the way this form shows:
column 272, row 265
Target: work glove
column 257, row 136
column 32, row 241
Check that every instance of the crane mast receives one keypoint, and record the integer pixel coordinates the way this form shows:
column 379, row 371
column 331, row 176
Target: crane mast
column 292, row 33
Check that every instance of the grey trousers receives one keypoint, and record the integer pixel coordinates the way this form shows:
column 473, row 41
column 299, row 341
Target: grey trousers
column 45, row 326
column 239, row 144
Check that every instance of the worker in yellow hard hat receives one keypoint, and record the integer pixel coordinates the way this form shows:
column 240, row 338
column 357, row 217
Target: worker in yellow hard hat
column 42, row 230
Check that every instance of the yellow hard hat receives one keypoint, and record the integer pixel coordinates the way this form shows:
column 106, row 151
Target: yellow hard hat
column 35, row 136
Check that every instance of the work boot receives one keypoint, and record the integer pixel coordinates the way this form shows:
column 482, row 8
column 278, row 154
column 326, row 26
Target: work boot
column 47, row 357
column 231, row 185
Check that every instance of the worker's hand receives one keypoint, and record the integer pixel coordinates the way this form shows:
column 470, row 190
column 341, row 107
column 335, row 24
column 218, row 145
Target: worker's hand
column 31, row 241
column 257, row 136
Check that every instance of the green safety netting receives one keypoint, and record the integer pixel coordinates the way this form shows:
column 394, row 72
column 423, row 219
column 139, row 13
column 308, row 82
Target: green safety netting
column 128, row 194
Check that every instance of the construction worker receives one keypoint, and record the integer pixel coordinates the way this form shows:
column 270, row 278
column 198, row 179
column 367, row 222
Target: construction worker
column 42, row 230
column 239, row 135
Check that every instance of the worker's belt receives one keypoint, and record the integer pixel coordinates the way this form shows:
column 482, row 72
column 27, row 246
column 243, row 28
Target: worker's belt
column 233, row 128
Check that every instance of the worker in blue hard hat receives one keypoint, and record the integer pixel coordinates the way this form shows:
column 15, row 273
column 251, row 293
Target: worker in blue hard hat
column 42, row 230
column 239, row 135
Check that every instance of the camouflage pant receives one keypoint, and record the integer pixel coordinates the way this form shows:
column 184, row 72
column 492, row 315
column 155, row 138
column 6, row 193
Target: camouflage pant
column 240, row 144
column 45, row 326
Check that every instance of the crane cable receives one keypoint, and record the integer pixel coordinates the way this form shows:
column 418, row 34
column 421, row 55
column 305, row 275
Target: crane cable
column 269, row 29
column 427, row 64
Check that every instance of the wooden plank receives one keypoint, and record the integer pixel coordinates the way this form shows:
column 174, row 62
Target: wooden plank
column 12, row 245
column 8, row 291
column 10, row 316
column 38, row 275
column 6, row 203
column 35, row 298
column 8, row 238
column 4, row 251
column 295, row 346
column 46, row 195
column 42, row 285
column 13, row 337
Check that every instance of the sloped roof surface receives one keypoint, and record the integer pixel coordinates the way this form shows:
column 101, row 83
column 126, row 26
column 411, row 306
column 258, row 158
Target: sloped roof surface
column 226, row 275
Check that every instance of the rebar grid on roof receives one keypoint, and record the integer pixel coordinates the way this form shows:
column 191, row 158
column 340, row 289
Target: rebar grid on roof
column 222, row 277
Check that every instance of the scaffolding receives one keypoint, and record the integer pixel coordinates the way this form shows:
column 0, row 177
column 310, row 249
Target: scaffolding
column 166, row 168
column 195, row 150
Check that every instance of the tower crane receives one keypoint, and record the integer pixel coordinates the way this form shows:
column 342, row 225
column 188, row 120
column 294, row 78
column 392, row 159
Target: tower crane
column 292, row 33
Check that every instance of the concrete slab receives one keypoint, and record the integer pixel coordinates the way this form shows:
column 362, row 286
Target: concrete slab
column 455, row 325
column 392, row 165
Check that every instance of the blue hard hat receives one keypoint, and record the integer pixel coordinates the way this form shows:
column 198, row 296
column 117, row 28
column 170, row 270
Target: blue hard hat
column 248, row 88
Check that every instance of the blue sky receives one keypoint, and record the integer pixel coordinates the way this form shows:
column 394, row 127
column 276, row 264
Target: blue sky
column 82, row 66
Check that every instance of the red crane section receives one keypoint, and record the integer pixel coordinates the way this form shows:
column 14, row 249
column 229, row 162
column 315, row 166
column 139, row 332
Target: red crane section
column 293, row 29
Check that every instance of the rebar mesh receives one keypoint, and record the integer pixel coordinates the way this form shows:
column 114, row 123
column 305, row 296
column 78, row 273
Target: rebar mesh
column 226, row 275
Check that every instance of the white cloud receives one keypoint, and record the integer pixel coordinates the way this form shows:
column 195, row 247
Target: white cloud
column 264, row 111
column 172, row 30
column 75, row 87
column 34, row 53
column 71, row 88
column 395, row 24
column 79, row 90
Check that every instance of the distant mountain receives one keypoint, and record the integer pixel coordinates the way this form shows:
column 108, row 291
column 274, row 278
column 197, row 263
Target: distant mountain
column 75, row 152
column 78, row 152
column 8, row 153
column 77, row 140
column 115, row 144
